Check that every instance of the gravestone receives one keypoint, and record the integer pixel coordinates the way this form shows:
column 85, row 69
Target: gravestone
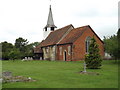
column 26, row 58
column 29, row 58
column 84, row 67
column 7, row 74
column 40, row 58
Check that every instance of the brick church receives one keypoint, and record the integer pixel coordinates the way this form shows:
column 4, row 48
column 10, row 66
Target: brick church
column 67, row 43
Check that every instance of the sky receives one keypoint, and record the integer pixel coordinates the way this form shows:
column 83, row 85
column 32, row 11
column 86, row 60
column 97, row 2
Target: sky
column 27, row 18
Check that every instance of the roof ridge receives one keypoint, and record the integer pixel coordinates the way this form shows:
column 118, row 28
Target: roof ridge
column 76, row 37
column 82, row 31
column 57, row 35
column 64, row 27
column 82, row 26
column 65, row 34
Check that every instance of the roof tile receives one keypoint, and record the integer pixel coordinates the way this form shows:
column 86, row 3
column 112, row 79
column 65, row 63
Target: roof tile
column 55, row 36
column 73, row 35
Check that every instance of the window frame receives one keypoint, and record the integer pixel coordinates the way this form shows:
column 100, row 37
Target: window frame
column 69, row 50
column 87, row 44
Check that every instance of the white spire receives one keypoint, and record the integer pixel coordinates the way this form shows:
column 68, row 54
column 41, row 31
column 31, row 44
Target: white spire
column 50, row 22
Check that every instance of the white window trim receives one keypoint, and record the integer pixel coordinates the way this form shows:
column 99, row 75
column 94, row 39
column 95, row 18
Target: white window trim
column 87, row 41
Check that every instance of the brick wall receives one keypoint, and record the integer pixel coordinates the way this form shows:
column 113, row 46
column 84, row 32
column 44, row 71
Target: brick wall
column 61, row 52
column 79, row 49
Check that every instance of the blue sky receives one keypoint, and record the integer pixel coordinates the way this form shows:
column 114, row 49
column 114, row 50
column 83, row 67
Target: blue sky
column 27, row 18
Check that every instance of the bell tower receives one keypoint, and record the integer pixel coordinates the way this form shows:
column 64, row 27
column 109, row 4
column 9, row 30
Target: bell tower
column 50, row 24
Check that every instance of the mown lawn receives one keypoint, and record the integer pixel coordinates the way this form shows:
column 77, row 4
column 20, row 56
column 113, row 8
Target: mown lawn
column 56, row 74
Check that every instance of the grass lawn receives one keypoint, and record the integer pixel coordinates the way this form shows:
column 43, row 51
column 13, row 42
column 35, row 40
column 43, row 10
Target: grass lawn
column 56, row 74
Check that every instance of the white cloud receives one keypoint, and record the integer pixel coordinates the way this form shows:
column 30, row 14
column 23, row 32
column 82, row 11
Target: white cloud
column 27, row 18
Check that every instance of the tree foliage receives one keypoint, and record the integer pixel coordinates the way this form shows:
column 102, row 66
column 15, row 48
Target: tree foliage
column 14, row 54
column 6, row 48
column 21, row 44
column 112, row 46
column 19, row 50
column 118, row 39
column 93, row 59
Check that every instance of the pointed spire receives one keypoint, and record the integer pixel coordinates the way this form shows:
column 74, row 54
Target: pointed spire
column 50, row 22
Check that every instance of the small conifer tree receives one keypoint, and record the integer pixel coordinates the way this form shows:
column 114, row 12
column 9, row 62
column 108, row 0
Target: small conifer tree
column 93, row 59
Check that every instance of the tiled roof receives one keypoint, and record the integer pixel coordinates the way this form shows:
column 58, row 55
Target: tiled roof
column 64, row 35
column 74, row 34
column 55, row 36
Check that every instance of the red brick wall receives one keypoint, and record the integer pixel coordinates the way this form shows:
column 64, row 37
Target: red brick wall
column 79, row 49
column 64, row 48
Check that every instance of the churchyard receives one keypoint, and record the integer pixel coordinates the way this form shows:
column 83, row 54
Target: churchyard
column 60, row 74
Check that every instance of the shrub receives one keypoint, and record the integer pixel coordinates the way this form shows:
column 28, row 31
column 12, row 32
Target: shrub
column 93, row 59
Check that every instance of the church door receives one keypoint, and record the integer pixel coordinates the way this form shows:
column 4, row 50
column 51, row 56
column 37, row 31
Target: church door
column 65, row 55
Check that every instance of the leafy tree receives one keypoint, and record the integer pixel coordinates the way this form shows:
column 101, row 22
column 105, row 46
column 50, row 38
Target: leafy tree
column 29, row 49
column 14, row 54
column 6, row 48
column 20, row 50
column 118, row 38
column 34, row 44
column 21, row 44
column 93, row 59
column 111, row 46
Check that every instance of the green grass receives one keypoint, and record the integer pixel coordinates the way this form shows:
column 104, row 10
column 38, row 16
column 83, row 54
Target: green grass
column 56, row 74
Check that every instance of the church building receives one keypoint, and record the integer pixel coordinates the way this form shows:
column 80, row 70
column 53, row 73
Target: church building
column 67, row 43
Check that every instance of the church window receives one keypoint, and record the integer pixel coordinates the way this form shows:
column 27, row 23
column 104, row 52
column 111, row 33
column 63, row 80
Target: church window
column 87, row 43
column 60, row 50
column 69, row 50
column 52, row 28
column 45, row 28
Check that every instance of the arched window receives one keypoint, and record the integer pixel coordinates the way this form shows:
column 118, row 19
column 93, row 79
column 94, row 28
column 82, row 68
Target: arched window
column 60, row 48
column 69, row 50
column 87, row 43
